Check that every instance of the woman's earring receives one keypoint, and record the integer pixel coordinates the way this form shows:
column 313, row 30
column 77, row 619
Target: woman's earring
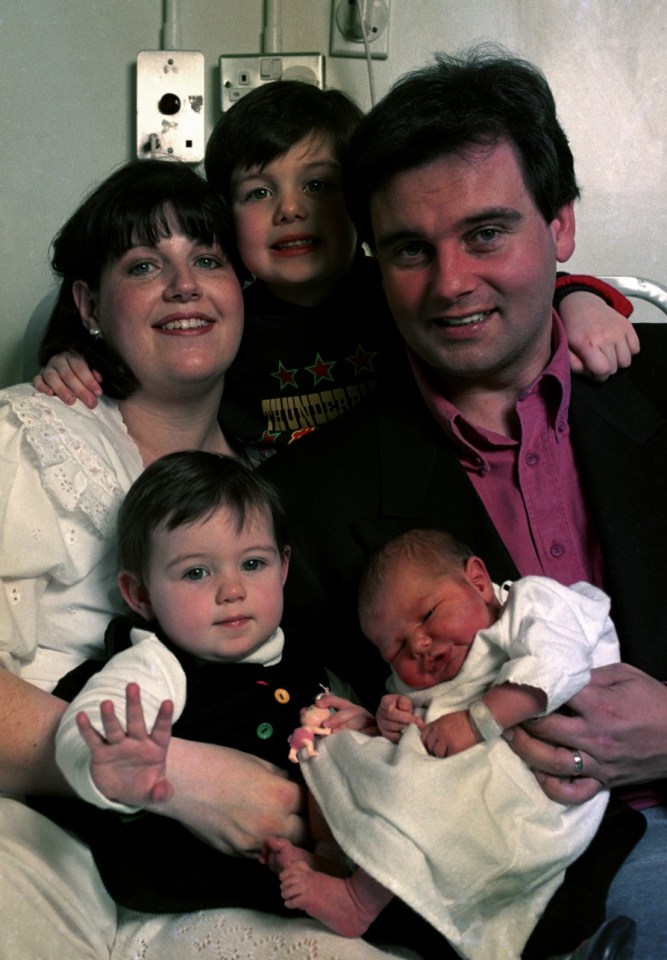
column 95, row 333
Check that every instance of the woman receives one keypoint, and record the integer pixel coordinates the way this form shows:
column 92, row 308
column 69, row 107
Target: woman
column 150, row 294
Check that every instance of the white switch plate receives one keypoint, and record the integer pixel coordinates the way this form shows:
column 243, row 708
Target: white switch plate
column 170, row 105
column 241, row 73
column 346, row 37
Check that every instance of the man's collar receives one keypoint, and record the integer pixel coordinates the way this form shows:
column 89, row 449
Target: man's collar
column 472, row 441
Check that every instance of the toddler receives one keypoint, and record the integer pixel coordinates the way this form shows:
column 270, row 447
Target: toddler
column 203, row 558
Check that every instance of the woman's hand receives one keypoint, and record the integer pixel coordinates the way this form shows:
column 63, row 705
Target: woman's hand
column 68, row 377
column 600, row 340
column 231, row 800
column 618, row 729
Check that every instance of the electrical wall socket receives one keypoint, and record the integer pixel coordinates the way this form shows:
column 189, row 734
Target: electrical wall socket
column 241, row 73
column 170, row 105
column 346, row 33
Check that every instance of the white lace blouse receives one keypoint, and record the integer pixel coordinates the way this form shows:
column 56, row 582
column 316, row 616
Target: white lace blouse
column 63, row 474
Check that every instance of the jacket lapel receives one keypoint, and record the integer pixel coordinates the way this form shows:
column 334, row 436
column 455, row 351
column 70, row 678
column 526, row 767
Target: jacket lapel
column 620, row 441
column 424, row 485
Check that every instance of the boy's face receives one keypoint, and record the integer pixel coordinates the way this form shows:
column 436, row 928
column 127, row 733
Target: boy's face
column 291, row 225
column 215, row 591
column 424, row 624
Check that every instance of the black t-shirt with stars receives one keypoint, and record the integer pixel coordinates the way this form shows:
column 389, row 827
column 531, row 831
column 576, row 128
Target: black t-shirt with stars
column 300, row 367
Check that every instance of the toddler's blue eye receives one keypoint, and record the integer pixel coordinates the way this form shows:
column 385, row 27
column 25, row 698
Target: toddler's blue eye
column 195, row 573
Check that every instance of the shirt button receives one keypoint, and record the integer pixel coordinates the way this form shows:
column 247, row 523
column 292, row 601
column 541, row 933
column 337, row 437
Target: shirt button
column 557, row 550
column 282, row 696
column 264, row 731
column 532, row 459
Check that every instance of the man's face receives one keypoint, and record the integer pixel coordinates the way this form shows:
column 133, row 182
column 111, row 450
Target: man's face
column 468, row 266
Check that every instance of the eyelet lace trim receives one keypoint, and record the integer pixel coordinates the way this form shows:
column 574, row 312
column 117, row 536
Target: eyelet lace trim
column 244, row 935
column 75, row 476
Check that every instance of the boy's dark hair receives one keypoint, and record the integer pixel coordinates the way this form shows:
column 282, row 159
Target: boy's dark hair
column 437, row 549
column 268, row 121
column 185, row 487
column 133, row 204
column 477, row 98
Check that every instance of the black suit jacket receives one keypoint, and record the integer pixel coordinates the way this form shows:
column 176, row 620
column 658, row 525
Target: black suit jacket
column 388, row 466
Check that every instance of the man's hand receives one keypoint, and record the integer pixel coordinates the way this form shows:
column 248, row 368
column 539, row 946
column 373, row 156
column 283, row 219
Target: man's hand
column 129, row 766
column 601, row 341
column 618, row 728
column 449, row 734
column 394, row 714
column 68, row 377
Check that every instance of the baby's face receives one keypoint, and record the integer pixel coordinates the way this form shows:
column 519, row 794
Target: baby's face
column 217, row 591
column 292, row 228
column 424, row 624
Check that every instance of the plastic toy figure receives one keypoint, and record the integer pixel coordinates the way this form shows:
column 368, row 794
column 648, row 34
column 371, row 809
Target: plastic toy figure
column 312, row 718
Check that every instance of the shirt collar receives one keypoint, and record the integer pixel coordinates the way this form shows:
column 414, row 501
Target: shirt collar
column 472, row 441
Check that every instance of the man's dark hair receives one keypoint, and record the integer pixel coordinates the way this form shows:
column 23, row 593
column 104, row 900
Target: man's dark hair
column 185, row 487
column 137, row 203
column 476, row 98
column 270, row 120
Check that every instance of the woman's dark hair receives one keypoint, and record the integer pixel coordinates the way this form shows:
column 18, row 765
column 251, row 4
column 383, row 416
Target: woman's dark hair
column 457, row 103
column 185, row 487
column 136, row 204
column 268, row 121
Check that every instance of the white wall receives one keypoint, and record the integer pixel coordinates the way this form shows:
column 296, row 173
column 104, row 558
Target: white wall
column 66, row 76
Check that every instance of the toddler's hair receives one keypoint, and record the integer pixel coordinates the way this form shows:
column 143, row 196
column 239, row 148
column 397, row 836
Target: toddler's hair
column 186, row 487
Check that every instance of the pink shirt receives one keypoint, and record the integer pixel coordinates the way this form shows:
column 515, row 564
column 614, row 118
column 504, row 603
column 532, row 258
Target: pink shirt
column 530, row 487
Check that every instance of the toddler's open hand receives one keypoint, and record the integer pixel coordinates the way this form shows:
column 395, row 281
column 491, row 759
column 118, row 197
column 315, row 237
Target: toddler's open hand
column 130, row 766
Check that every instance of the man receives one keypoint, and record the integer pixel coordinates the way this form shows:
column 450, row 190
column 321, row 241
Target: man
column 463, row 182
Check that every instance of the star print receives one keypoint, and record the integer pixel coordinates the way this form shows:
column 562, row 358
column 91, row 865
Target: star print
column 285, row 376
column 363, row 360
column 321, row 369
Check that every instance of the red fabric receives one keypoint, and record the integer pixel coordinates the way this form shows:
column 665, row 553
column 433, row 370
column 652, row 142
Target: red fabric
column 609, row 294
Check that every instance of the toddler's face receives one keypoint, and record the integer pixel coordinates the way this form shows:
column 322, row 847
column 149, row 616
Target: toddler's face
column 292, row 228
column 424, row 624
column 217, row 591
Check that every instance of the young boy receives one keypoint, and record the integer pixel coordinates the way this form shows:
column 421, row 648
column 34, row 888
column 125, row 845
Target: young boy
column 472, row 844
column 203, row 558
column 318, row 334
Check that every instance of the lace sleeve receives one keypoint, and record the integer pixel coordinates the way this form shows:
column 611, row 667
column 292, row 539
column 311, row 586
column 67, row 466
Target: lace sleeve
column 63, row 473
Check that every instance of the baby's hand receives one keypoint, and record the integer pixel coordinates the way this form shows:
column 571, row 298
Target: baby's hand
column 68, row 377
column 348, row 715
column 449, row 734
column 394, row 714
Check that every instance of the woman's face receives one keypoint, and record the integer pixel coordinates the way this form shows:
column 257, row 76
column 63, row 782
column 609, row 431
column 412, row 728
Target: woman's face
column 173, row 311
